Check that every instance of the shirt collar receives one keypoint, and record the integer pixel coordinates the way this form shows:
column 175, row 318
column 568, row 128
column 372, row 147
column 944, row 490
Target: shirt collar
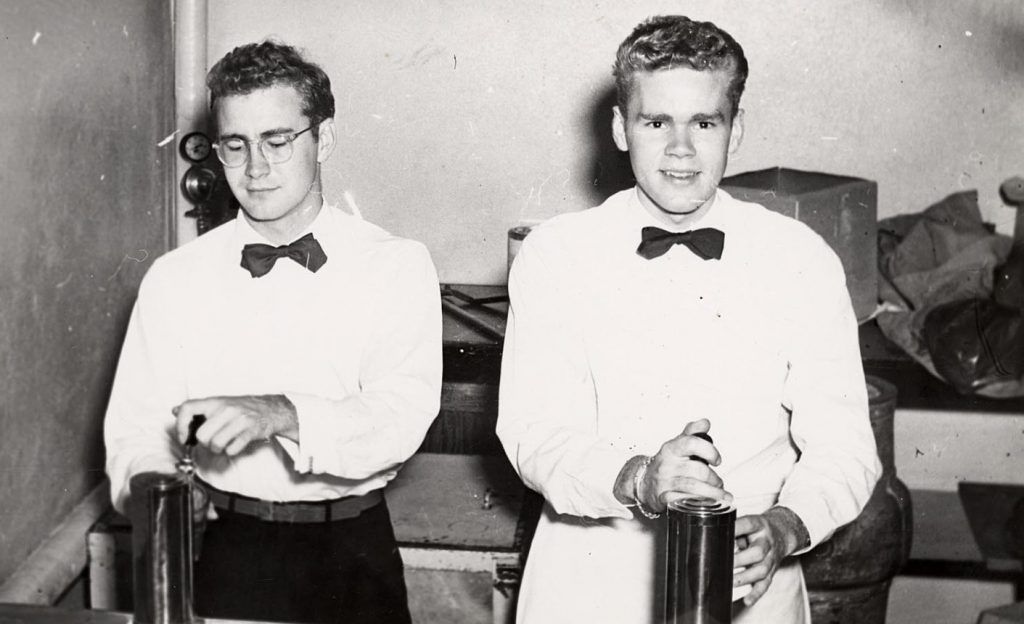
column 718, row 216
column 245, row 234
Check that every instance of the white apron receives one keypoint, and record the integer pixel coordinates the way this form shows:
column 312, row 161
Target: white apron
column 581, row 570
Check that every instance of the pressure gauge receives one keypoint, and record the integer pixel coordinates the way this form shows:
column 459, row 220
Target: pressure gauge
column 195, row 147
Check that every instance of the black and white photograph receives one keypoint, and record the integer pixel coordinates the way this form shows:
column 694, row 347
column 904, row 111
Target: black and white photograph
column 512, row 312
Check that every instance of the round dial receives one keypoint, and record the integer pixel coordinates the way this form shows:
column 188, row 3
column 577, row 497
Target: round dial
column 195, row 147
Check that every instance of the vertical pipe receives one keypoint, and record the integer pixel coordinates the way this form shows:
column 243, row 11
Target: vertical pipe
column 190, row 108
column 1012, row 192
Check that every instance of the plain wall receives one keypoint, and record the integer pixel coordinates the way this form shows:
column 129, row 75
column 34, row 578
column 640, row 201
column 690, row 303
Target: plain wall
column 86, row 98
column 461, row 119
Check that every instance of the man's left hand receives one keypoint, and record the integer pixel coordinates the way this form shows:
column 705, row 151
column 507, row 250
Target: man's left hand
column 766, row 540
column 233, row 423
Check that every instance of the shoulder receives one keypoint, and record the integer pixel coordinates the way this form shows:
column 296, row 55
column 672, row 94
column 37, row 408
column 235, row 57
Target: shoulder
column 581, row 229
column 201, row 249
column 776, row 238
column 186, row 266
column 378, row 247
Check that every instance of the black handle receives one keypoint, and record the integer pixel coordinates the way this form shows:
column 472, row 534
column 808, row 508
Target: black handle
column 193, row 427
column 702, row 436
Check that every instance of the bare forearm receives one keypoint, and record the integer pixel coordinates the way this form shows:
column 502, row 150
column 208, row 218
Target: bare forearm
column 623, row 488
column 789, row 527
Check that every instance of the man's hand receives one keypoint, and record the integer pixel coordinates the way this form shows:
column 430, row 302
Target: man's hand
column 767, row 539
column 233, row 423
column 680, row 469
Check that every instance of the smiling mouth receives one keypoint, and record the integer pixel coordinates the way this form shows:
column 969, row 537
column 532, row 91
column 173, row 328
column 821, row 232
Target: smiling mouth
column 679, row 175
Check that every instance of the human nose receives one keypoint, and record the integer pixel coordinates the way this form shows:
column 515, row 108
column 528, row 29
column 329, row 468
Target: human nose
column 256, row 164
column 679, row 143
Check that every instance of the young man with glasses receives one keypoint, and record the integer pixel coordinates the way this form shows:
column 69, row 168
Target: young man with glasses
column 309, row 339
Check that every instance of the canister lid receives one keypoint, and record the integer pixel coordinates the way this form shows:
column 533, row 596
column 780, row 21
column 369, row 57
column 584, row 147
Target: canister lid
column 519, row 232
column 158, row 481
column 700, row 505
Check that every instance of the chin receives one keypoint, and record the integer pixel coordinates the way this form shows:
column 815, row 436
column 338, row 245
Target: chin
column 681, row 208
column 682, row 211
column 261, row 214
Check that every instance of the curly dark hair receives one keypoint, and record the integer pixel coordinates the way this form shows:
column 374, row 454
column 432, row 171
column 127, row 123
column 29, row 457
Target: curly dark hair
column 270, row 63
column 671, row 41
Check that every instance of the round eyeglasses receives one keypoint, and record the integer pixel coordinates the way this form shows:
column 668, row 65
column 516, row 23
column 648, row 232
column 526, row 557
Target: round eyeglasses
column 276, row 148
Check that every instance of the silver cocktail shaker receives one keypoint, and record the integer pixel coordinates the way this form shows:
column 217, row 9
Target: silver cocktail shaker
column 700, row 542
column 161, row 515
column 701, row 536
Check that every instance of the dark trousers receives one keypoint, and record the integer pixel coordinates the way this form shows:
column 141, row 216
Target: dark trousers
column 345, row 571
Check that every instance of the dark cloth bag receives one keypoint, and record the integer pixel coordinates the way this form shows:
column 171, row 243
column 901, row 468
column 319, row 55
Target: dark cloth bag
column 976, row 343
column 938, row 268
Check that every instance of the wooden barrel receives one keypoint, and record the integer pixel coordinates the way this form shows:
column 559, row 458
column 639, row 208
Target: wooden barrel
column 848, row 576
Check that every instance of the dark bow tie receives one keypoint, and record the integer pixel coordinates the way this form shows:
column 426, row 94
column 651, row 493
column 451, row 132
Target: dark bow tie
column 705, row 242
column 258, row 258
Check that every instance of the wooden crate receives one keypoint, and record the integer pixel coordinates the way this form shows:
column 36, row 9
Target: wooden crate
column 465, row 513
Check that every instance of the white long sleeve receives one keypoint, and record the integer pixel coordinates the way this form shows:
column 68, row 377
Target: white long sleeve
column 356, row 347
column 548, row 414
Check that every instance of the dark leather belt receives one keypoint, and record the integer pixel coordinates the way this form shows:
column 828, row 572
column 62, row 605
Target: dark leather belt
column 297, row 511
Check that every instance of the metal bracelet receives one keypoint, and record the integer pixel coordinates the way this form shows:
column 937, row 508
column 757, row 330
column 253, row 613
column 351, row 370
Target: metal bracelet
column 640, row 473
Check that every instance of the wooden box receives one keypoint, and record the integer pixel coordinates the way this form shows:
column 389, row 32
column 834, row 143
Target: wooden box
column 466, row 514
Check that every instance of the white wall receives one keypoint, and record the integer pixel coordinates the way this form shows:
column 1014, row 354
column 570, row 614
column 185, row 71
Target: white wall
column 460, row 119
column 85, row 100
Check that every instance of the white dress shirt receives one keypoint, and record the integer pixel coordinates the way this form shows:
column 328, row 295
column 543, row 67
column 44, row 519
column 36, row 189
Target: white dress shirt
column 608, row 355
column 356, row 347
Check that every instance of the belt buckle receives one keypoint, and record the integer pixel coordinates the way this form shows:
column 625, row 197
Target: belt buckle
column 296, row 512
column 266, row 510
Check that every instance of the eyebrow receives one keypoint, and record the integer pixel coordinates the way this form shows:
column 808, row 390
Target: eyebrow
column 263, row 135
column 655, row 117
column 716, row 117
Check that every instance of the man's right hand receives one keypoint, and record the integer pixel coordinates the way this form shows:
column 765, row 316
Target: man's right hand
column 234, row 423
column 680, row 469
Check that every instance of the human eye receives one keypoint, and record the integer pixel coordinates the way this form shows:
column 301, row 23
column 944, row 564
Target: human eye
column 233, row 145
column 277, row 141
column 655, row 124
column 706, row 125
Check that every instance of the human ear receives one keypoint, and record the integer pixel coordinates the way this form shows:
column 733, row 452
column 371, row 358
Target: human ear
column 736, row 136
column 326, row 140
column 619, row 129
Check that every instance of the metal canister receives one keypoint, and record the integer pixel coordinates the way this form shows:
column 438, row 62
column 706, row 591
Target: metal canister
column 516, row 236
column 161, row 515
column 701, row 534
